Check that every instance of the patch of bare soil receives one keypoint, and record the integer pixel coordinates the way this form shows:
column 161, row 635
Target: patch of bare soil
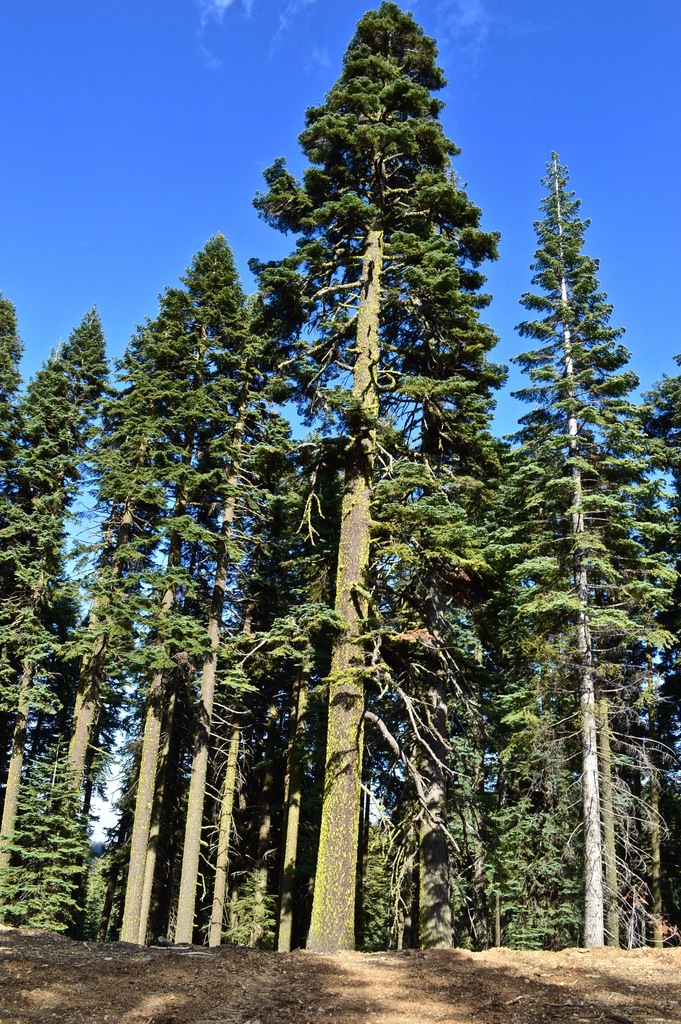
column 46, row 978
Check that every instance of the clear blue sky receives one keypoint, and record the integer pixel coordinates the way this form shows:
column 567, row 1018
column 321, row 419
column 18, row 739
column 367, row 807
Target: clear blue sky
column 133, row 130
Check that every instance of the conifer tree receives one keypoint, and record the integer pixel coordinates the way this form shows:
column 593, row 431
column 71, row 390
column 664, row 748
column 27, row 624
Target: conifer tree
column 248, row 435
column 662, row 413
column 587, row 506
column 386, row 262
column 58, row 418
column 10, row 381
column 196, row 376
column 47, row 848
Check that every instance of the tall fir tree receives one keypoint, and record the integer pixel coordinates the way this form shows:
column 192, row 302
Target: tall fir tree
column 57, row 421
column 10, row 382
column 386, row 263
column 586, row 508
column 196, row 377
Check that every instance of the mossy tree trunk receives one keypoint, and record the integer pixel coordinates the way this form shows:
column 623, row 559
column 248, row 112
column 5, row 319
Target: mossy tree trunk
column 93, row 663
column 333, row 909
column 16, row 762
column 156, row 817
column 146, row 785
column 184, row 927
column 261, row 873
column 293, row 796
column 19, row 736
column 224, row 836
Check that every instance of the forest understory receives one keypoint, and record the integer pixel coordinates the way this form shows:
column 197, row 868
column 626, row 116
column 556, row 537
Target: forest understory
column 46, row 977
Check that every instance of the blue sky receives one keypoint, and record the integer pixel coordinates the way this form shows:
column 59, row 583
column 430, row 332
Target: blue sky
column 130, row 132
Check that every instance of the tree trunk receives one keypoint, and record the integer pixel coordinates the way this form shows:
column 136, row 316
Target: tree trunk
column 591, row 804
column 156, row 820
column 264, row 832
column 435, row 912
column 655, row 851
column 294, row 785
column 224, row 835
column 591, row 809
column 333, row 909
column 92, row 667
column 16, row 763
column 146, row 785
column 612, row 922
column 184, row 927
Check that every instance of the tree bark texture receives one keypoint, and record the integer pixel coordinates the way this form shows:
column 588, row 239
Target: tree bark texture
column 16, row 763
column 435, row 913
column 224, row 835
column 657, row 933
column 332, row 925
column 197, row 785
column 146, row 785
column 261, row 874
column 294, row 786
column 92, row 669
column 594, row 931
column 156, row 820
column 612, row 922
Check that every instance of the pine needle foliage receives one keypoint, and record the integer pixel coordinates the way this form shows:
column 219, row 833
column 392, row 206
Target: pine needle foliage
column 585, row 507
column 47, row 849
column 381, row 300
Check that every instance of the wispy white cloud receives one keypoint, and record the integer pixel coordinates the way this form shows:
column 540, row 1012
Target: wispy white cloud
column 318, row 58
column 291, row 9
column 465, row 23
column 215, row 9
column 210, row 61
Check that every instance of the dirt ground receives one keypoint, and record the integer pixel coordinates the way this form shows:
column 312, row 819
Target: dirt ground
column 44, row 977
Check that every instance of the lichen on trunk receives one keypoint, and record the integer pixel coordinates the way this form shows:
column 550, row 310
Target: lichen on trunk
column 333, row 909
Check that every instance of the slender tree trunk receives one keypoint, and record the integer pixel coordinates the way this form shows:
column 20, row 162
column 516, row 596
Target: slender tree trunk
column 17, row 756
column 146, row 785
column 184, row 927
column 294, row 786
column 112, row 880
column 655, row 844
column 92, row 668
column 612, row 921
column 435, row 912
column 16, row 762
column 224, row 835
column 480, row 857
column 594, row 931
column 264, row 831
column 362, row 864
column 333, row 909
column 156, row 819
column 591, row 809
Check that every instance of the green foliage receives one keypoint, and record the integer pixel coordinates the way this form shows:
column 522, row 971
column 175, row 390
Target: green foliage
column 99, row 867
column 48, row 846
column 377, row 908
column 584, row 422
column 248, row 909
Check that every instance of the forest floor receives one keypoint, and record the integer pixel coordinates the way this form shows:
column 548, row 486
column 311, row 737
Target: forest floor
column 44, row 977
